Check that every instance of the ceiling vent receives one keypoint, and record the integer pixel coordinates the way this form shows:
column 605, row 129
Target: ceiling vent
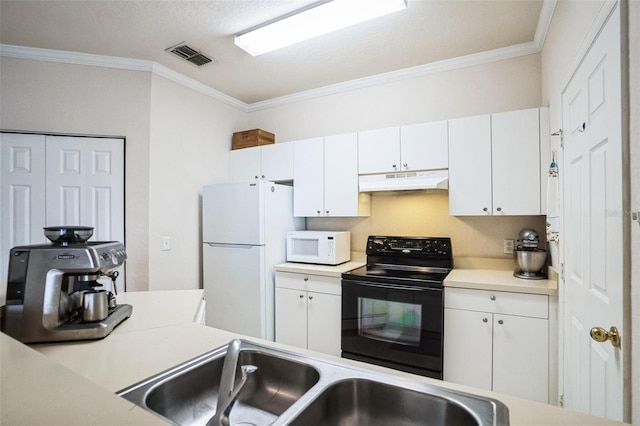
column 189, row 54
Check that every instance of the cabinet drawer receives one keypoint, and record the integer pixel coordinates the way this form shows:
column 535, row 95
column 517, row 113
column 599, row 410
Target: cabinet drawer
column 308, row 282
column 501, row 302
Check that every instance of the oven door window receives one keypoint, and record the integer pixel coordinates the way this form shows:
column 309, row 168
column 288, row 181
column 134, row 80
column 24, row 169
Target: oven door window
column 390, row 321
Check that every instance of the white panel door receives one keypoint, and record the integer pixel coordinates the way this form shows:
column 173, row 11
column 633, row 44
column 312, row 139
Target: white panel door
column 308, row 177
column 515, row 145
column 594, row 229
column 85, row 186
column 470, row 166
column 22, row 159
column 424, row 146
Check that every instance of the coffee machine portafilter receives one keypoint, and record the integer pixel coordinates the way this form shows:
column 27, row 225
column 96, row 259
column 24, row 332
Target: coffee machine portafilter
column 52, row 289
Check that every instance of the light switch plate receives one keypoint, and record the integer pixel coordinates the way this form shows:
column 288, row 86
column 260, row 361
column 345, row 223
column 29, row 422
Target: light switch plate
column 166, row 243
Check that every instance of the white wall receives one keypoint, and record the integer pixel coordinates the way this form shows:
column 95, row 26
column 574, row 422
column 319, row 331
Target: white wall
column 40, row 96
column 494, row 87
column 190, row 142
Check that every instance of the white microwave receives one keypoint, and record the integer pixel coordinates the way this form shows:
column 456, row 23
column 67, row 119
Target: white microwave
column 323, row 247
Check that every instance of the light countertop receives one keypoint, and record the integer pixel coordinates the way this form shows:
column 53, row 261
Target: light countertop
column 73, row 383
column 357, row 260
column 498, row 280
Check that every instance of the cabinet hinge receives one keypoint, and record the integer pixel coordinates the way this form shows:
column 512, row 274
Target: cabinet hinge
column 562, row 272
column 559, row 133
column 561, row 401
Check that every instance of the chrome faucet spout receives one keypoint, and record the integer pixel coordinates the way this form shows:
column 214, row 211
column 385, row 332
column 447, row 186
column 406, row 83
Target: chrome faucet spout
column 247, row 370
column 228, row 393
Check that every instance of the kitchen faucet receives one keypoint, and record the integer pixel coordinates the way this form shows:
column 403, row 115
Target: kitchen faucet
column 227, row 395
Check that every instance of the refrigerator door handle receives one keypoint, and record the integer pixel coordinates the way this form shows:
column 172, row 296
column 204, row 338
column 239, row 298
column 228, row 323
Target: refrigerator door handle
column 242, row 246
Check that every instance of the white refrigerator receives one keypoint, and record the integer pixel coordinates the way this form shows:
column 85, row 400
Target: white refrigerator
column 244, row 227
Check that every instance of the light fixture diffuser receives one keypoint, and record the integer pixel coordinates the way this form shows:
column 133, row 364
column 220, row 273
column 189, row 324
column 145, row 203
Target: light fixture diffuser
column 312, row 22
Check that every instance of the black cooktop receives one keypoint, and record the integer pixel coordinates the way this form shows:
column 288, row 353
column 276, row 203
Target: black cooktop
column 419, row 261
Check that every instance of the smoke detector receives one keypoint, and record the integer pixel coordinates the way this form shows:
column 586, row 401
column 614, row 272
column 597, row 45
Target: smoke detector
column 189, row 54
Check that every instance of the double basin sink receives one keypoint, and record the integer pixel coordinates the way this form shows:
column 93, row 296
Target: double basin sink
column 291, row 389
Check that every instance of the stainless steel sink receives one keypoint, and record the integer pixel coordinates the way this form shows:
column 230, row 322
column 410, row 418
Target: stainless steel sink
column 371, row 403
column 292, row 389
column 188, row 394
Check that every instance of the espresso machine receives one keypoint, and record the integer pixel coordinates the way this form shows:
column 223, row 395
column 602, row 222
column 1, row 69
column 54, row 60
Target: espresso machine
column 52, row 289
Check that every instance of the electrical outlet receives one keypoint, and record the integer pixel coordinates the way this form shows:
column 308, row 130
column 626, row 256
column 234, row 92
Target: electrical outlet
column 508, row 246
column 166, row 243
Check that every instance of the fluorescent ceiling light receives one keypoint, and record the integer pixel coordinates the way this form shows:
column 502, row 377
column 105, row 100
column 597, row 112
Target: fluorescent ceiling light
column 312, row 22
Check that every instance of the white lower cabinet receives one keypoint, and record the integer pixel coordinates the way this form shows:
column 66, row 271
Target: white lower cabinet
column 308, row 311
column 498, row 341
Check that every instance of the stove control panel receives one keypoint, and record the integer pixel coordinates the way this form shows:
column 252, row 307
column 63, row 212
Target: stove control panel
column 409, row 245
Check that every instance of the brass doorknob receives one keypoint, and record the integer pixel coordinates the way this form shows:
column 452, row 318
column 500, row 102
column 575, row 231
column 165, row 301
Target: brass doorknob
column 601, row 335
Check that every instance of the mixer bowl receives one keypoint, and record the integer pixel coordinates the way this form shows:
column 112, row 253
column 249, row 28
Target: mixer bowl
column 530, row 261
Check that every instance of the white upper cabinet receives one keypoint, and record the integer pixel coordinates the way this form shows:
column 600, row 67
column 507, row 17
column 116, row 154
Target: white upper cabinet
column 271, row 162
column 379, row 150
column 326, row 178
column 470, row 166
column 494, row 164
column 308, row 178
column 407, row 148
column 424, row 146
column 515, row 138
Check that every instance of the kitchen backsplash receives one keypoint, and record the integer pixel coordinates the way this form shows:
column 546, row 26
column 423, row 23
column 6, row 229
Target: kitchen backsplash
column 419, row 213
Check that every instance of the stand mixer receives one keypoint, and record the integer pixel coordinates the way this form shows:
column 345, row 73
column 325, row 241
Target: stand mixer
column 530, row 259
column 52, row 289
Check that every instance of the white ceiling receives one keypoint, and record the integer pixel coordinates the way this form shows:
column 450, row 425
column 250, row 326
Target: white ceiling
column 427, row 31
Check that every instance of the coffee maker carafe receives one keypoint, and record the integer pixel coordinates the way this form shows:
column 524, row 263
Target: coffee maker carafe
column 53, row 292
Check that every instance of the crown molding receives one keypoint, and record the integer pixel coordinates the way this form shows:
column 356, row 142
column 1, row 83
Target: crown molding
column 544, row 21
column 190, row 83
column 77, row 58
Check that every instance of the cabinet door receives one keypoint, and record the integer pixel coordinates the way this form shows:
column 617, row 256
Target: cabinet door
column 379, row 150
column 515, row 147
column 308, row 177
column 424, row 146
column 468, row 348
column 324, row 318
column 245, row 164
column 470, row 166
column 277, row 162
column 521, row 357
column 341, row 175
column 291, row 317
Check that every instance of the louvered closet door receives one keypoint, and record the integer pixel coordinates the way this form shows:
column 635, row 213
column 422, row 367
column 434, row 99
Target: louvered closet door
column 85, row 186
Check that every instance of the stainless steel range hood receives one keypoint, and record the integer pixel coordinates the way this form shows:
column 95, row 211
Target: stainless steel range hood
column 403, row 181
